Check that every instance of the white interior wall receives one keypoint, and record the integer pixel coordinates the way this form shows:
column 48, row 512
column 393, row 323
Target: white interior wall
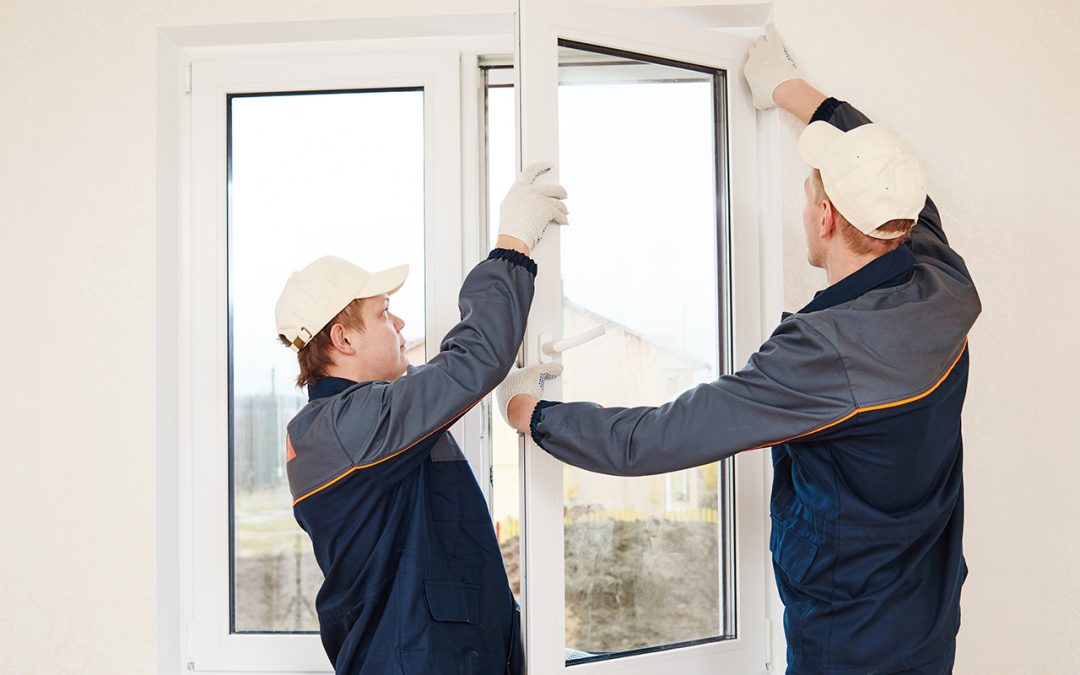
column 986, row 92
column 77, row 267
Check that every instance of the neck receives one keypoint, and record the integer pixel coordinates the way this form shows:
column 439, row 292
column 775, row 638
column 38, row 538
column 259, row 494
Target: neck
column 345, row 373
column 844, row 265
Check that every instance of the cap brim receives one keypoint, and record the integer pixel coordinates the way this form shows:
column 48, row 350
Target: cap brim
column 388, row 281
column 815, row 140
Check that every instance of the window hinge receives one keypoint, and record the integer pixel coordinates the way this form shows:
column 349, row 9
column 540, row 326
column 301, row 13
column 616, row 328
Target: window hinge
column 187, row 78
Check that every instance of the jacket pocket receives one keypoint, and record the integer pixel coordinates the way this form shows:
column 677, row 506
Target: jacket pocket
column 792, row 552
column 453, row 602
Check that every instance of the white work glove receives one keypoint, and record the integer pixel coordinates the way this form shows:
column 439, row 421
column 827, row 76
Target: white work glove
column 528, row 209
column 529, row 380
column 768, row 64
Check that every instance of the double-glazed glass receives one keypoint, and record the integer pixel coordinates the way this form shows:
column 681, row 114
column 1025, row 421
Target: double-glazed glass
column 647, row 560
column 638, row 153
column 341, row 174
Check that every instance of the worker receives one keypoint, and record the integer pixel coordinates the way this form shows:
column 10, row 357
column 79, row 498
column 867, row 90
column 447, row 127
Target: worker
column 859, row 394
column 414, row 578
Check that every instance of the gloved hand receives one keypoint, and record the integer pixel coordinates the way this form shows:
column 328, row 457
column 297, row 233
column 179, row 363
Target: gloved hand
column 529, row 380
column 768, row 64
column 528, row 209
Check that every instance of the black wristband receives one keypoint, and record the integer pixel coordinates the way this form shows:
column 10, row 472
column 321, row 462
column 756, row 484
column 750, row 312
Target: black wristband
column 825, row 110
column 534, row 421
column 514, row 258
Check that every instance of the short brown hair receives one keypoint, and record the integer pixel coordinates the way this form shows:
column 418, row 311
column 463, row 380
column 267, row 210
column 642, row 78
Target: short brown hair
column 315, row 357
column 859, row 242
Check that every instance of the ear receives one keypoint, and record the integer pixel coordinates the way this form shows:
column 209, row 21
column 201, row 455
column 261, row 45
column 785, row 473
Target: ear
column 826, row 219
column 340, row 340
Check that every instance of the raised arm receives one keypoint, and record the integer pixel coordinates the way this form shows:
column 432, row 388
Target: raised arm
column 386, row 419
column 776, row 81
column 794, row 386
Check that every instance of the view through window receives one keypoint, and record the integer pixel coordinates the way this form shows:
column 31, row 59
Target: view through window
column 337, row 173
column 645, row 557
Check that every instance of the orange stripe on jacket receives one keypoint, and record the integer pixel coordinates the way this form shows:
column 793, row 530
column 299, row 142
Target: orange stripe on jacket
column 368, row 466
column 855, row 412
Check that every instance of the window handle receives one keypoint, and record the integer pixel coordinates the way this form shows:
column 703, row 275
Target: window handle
column 549, row 348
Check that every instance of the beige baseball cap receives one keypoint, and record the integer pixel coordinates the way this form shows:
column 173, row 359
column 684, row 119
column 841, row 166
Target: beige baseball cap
column 314, row 295
column 869, row 174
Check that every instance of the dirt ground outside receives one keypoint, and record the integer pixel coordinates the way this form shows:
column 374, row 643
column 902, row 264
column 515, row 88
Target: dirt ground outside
column 632, row 584
column 629, row 584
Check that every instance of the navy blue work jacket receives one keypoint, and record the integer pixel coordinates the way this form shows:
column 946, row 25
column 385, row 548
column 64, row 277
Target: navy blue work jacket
column 859, row 395
column 414, row 577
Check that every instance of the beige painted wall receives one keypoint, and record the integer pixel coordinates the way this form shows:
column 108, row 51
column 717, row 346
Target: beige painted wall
column 988, row 93
column 989, row 97
column 77, row 267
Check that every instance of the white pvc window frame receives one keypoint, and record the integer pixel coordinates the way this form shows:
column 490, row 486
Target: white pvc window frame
column 197, row 68
column 196, row 583
column 212, row 645
column 541, row 25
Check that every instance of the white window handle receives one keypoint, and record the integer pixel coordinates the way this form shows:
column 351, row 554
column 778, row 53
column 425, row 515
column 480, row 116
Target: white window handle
column 549, row 348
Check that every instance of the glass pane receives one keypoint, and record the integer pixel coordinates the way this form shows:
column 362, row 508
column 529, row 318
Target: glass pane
column 311, row 175
column 637, row 152
column 644, row 556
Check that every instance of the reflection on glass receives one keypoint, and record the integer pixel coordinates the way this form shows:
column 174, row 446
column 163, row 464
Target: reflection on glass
column 637, row 152
column 311, row 175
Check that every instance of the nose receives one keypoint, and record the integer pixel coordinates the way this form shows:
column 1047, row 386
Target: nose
column 398, row 322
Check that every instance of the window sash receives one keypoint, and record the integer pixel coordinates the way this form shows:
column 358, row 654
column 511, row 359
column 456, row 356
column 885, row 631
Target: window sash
column 204, row 487
column 542, row 25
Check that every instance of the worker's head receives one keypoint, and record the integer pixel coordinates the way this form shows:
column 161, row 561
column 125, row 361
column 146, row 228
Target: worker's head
column 336, row 317
column 863, row 195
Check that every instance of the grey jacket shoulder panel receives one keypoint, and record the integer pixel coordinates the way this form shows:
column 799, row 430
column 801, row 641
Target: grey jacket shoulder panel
column 314, row 421
column 372, row 422
column 899, row 342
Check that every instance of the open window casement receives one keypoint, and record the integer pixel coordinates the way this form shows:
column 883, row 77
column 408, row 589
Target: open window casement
column 655, row 138
column 654, row 135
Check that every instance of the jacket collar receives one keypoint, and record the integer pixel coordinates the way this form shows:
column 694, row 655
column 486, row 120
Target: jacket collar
column 332, row 386
column 328, row 386
column 891, row 269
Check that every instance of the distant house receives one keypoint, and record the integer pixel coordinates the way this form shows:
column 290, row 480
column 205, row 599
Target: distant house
column 621, row 368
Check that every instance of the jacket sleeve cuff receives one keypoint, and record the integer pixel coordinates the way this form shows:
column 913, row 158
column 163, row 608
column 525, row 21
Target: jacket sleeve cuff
column 514, row 258
column 825, row 110
column 534, row 422
column 840, row 114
